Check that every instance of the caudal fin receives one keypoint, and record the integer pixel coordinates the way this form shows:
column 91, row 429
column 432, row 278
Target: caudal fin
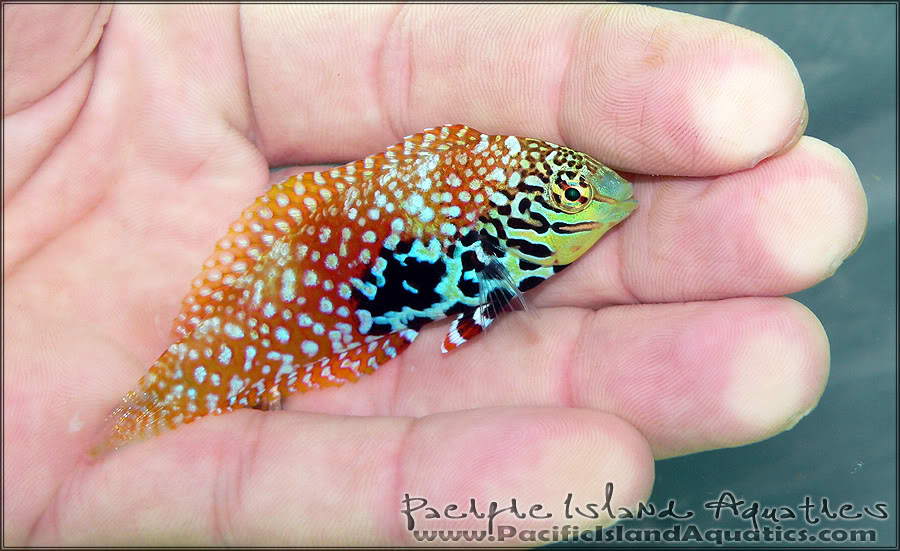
column 146, row 411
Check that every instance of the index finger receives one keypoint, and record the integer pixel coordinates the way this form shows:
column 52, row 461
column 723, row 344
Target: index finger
column 642, row 89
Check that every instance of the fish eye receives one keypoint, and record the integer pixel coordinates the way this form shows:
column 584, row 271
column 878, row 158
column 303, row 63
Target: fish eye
column 571, row 195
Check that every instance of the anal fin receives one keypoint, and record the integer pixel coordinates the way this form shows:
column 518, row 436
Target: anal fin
column 346, row 367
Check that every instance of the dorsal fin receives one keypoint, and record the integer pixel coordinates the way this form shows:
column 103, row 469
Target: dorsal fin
column 285, row 206
column 274, row 214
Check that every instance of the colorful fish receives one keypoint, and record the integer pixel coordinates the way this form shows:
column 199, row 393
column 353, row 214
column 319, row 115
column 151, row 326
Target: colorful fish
column 330, row 274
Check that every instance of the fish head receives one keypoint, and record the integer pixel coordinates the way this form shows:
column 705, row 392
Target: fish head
column 559, row 205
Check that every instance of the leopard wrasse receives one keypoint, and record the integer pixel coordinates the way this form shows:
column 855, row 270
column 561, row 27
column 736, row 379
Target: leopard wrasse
column 329, row 275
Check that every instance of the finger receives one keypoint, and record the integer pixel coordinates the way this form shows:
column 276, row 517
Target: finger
column 43, row 45
column 643, row 89
column 777, row 229
column 690, row 377
column 293, row 478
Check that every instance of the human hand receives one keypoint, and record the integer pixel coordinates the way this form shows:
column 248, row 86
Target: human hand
column 125, row 160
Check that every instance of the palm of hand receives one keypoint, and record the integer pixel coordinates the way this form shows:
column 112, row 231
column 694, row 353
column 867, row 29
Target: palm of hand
column 110, row 207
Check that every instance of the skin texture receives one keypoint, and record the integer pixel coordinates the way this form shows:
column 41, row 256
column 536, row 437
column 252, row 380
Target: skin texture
column 129, row 147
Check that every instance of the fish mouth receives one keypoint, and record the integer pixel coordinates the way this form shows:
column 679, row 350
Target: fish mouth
column 612, row 188
column 627, row 206
column 618, row 211
column 621, row 211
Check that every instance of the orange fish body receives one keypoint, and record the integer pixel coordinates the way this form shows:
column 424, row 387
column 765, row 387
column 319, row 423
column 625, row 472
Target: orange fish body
column 331, row 274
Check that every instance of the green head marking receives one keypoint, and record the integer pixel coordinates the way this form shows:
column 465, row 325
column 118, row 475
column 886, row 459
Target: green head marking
column 557, row 203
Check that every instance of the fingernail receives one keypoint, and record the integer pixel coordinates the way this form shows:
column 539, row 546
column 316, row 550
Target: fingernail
column 837, row 263
column 801, row 128
column 792, row 422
